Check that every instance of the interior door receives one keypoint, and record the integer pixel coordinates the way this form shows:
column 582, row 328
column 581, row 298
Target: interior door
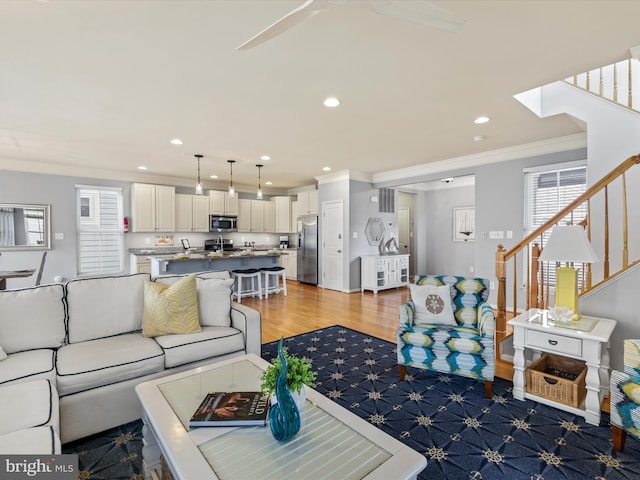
column 404, row 230
column 332, row 243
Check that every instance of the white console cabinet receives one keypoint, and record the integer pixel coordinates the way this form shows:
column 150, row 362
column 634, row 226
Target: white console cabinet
column 379, row 272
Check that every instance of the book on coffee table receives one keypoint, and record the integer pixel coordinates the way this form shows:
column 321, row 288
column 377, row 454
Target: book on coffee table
column 231, row 409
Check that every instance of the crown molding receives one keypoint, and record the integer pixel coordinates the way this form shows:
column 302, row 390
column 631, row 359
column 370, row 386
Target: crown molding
column 553, row 145
column 128, row 177
column 344, row 175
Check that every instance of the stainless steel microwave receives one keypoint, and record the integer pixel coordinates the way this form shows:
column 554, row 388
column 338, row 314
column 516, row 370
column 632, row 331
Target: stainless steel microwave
column 223, row 223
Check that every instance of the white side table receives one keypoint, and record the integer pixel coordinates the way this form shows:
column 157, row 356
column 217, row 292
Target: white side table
column 534, row 333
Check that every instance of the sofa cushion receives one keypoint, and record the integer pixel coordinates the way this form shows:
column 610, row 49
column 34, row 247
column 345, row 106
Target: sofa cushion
column 106, row 306
column 211, row 342
column 30, row 365
column 214, row 302
column 28, row 404
column 171, row 310
column 432, row 304
column 31, row 441
column 214, row 297
column 94, row 363
column 32, row 318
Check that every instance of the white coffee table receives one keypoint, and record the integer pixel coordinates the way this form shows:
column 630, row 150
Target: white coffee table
column 332, row 442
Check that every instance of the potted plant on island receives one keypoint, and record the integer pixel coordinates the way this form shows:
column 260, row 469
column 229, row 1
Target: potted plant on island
column 299, row 374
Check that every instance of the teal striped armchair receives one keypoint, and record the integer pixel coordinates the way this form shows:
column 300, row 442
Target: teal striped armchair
column 465, row 348
column 624, row 393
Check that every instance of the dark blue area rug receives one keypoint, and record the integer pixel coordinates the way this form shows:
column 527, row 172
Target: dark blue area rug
column 462, row 434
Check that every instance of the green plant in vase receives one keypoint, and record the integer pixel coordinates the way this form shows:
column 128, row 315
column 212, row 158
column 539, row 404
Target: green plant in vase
column 298, row 375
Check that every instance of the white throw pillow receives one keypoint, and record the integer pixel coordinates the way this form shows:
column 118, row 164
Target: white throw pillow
column 214, row 301
column 2, row 354
column 433, row 304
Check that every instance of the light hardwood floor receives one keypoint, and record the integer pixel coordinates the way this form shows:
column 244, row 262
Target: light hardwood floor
column 307, row 308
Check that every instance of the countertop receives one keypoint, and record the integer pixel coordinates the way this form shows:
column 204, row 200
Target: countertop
column 173, row 257
column 151, row 251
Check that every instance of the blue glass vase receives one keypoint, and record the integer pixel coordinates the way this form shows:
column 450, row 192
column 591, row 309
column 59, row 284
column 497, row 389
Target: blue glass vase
column 284, row 416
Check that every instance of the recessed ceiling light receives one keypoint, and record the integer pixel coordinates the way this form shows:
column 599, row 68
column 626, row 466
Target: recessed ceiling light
column 268, row 182
column 331, row 102
column 142, row 167
column 326, row 169
column 213, row 176
column 481, row 120
column 265, row 157
column 176, row 141
column 478, row 138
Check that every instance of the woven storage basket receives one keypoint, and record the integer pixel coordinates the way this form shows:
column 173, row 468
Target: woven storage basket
column 543, row 383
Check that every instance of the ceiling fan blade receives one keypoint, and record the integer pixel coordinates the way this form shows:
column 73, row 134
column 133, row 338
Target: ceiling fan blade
column 419, row 11
column 304, row 11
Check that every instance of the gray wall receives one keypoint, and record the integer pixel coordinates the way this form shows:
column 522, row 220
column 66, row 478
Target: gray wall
column 60, row 193
column 616, row 300
column 500, row 206
column 443, row 255
column 361, row 208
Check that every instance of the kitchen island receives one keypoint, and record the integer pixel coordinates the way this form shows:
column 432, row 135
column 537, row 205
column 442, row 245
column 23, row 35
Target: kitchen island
column 201, row 262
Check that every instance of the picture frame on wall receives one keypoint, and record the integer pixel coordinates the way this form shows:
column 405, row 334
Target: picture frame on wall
column 464, row 224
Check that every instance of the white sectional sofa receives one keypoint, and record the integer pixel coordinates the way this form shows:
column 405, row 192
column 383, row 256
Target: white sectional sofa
column 83, row 339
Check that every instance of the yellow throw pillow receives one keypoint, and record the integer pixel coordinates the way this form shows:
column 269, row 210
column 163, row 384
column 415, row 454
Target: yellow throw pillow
column 171, row 309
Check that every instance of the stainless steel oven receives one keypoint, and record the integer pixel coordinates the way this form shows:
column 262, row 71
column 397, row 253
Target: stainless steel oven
column 223, row 223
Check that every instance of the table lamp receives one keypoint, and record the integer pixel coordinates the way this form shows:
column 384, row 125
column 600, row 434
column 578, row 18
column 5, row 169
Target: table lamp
column 569, row 244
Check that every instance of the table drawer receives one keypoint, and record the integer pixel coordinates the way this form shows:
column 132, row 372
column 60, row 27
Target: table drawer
column 554, row 343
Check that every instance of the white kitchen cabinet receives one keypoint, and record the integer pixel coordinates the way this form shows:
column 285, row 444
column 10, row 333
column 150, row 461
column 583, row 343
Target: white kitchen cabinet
column 192, row 213
column 308, row 202
column 244, row 215
column 200, row 213
column 269, row 217
column 220, row 203
column 139, row 264
column 257, row 216
column 153, row 208
column 294, row 216
column 379, row 272
column 282, row 214
column 289, row 261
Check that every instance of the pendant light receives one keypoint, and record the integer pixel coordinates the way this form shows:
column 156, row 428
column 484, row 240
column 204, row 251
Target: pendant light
column 232, row 192
column 199, row 184
column 259, row 195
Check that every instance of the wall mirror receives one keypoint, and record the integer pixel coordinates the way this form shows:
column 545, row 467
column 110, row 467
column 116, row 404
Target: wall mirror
column 374, row 231
column 25, row 227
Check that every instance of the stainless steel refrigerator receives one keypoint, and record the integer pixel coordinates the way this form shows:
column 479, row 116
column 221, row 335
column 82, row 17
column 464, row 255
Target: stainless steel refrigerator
column 308, row 249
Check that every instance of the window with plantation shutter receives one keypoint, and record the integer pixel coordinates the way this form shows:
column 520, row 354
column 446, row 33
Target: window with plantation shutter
column 100, row 231
column 548, row 190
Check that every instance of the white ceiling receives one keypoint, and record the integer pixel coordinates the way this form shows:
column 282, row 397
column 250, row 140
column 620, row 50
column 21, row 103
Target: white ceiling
column 96, row 88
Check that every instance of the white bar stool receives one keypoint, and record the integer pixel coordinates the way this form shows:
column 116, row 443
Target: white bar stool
column 274, row 273
column 252, row 274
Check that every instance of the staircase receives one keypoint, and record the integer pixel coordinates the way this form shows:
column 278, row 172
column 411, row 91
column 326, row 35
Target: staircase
column 537, row 288
column 606, row 102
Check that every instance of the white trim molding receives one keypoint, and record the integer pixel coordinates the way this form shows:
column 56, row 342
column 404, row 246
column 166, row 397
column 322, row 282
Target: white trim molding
column 410, row 174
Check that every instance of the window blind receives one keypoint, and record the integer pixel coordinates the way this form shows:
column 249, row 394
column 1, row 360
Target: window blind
column 100, row 231
column 549, row 191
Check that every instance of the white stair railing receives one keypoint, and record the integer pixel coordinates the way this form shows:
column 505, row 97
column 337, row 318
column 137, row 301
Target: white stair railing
column 618, row 83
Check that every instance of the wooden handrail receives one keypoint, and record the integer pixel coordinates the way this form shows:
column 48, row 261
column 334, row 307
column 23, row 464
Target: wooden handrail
column 590, row 192
column 539, row 294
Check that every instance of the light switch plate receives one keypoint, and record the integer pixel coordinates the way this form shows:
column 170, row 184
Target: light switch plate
column 59, row 236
